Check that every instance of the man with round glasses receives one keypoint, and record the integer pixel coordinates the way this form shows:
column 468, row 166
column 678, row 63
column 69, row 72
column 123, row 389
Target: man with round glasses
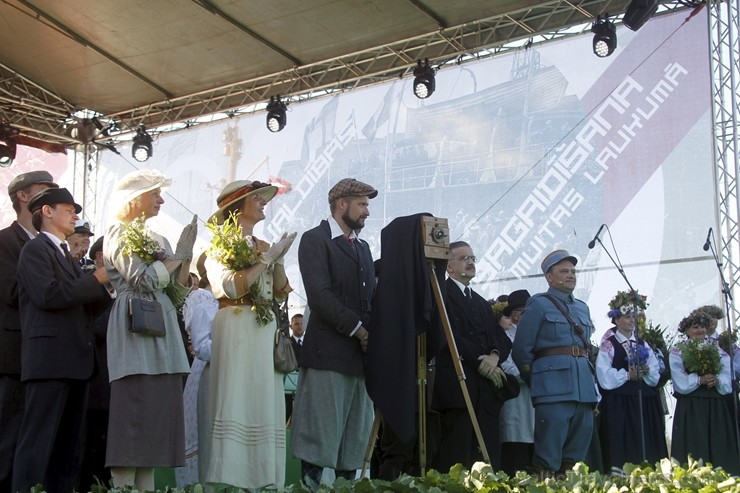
column 482, row 346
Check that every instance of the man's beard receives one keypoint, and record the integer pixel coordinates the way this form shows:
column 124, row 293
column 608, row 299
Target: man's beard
column 353, row 224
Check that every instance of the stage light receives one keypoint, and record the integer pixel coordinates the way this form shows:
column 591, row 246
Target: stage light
column 142, row 148
column 424, row 84
column 276, row 118
column 639, row 12
column 8, row 145
column 605, row 37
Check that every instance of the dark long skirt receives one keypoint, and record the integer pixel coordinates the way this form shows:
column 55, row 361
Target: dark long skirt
column 620, row 430
column 146, row 426
column 703, row 427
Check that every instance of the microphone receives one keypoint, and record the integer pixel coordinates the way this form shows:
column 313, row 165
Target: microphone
column 593, row 242
column 706, row 243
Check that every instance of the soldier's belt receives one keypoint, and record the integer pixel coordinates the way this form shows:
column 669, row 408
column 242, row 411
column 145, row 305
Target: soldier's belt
column 575, row 351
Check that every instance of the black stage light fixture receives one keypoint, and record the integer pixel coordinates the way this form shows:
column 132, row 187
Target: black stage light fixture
column 424, row 84
column 276, row 118
column 605, row 37
column 142, row 148
column 639, row 12
column 8, row 145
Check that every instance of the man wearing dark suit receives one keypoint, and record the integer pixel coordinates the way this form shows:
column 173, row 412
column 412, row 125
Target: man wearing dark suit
column 57, row 306
column 482, row 346
column 296, row 327
column 333, row 413
column 12, row 239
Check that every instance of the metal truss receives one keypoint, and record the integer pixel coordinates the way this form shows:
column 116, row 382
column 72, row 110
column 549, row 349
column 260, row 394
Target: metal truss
column 85, row 180
column 724, row 29
column 33, row 110
column 477, row 40
column 40, row 114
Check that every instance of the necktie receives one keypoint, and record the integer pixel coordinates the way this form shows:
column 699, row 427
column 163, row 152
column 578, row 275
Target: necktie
column 300, row 342
column 468, row 296
column 69, row 258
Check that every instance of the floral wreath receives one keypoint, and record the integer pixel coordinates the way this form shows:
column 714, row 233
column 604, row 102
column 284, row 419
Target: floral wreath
column 498, row 307
column 623, row 303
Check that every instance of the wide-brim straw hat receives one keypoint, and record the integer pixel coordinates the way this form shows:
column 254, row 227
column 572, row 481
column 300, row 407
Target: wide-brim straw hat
column 239, row 189
column 138, row 183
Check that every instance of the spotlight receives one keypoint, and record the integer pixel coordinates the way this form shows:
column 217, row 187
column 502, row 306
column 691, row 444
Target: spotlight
column 605, row 37
column 8, row 145
column 424, row 84
column 276, row 118
column 142, row 148
column 639, row 12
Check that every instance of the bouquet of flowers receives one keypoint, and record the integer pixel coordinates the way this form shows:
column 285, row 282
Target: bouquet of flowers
column 654, row 335
column 724, row 342
column 232, row 249
column 137, row 241
column 638, row 355
column 700, row 357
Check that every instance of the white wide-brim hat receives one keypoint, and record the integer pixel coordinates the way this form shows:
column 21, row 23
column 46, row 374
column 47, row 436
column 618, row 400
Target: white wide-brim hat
column 239, row 189
column 138, row 183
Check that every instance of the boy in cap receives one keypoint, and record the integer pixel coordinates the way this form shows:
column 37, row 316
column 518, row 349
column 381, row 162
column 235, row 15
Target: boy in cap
column 332, row 412
column 57, row 306
column 551, row 350
column 12, row 239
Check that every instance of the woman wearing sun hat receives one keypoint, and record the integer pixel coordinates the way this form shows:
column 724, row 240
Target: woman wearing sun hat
column 246, row 395
column 623, row 360
column 145, row 428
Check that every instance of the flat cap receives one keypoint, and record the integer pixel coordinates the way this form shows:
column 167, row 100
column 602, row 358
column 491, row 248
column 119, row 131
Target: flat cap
column 53, row 196
column 83, row 228
column 31, row 178
column 555, row 258
column 349, row 187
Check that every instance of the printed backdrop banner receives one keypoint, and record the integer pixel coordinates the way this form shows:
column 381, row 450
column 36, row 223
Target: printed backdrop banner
column 526, row 152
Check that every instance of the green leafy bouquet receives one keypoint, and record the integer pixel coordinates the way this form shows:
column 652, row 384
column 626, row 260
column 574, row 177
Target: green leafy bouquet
column 655, row 336
column 235, row 251
column 137, row 241
column 700, row 357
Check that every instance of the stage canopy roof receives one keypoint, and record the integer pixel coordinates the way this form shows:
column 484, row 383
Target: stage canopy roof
column 175, row 61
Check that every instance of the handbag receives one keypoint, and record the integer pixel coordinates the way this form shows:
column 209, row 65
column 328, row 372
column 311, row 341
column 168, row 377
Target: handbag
column 146, row 317
column 282, row 353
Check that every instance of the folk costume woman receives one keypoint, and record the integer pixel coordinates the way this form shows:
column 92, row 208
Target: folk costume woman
column 246, row 396
column 703, row 423
column 625, row 367
column 145, row 428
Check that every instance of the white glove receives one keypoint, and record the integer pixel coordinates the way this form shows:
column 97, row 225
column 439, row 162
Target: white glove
column 184, row 249
column 277, row 249
column 290, row 239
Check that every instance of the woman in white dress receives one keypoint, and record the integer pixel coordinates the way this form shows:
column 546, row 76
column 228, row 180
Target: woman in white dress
column 246, row 397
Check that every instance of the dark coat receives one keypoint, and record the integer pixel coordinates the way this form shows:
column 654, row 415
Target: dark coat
column 58, row 305
column 12, row 240
column 340, row 283
column 476, row 333
column 296, row 347
column 404, row 307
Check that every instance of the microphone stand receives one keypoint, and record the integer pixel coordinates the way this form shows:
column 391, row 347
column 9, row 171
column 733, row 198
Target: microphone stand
column 732, row 340
column 618, row 265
